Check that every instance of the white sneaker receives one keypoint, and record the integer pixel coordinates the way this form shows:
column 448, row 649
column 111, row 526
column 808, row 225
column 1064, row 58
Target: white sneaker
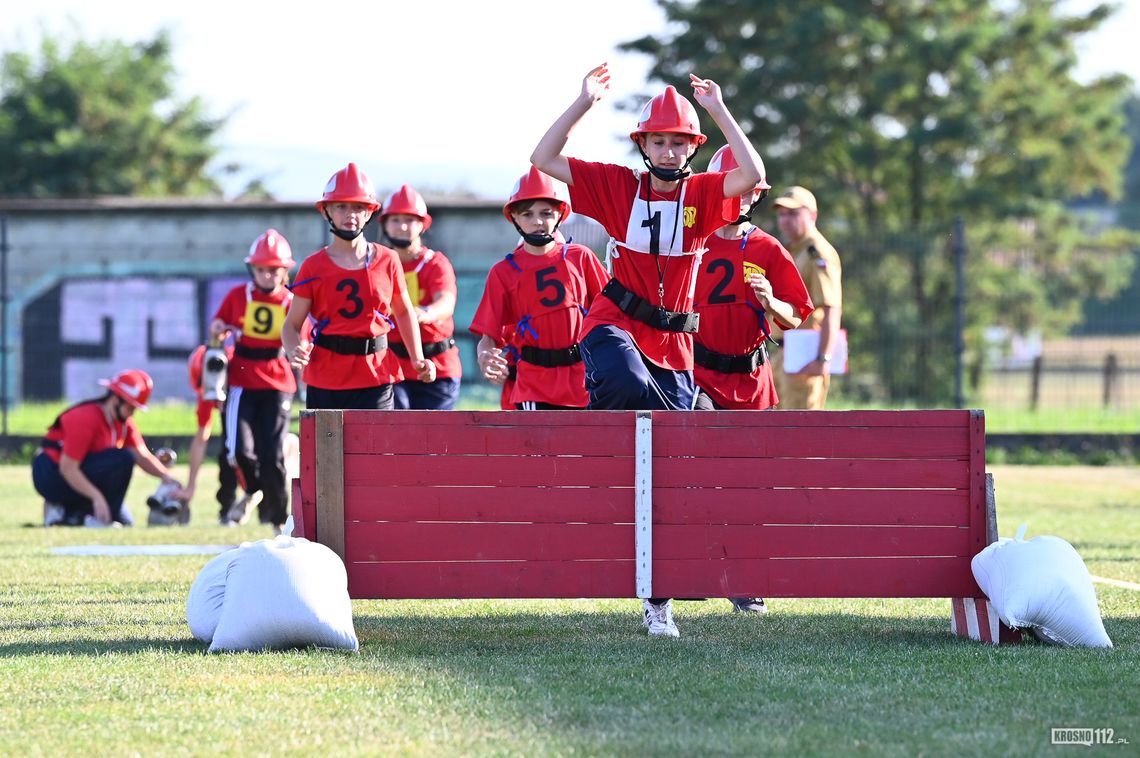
column 54, row 514
column 659, row 619
column 93, row 523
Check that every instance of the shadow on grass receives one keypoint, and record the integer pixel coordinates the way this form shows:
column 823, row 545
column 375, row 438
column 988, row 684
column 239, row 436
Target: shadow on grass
column 100, row 647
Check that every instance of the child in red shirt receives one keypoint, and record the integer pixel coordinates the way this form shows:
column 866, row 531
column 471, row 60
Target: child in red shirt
column 638, row 346
column 86, row 458
column 543, row 290
column 432, row 289
column 261, row 382
column 355, row 292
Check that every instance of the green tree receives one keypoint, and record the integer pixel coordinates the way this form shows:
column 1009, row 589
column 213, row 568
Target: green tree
column 904, row 115
column 87, row 119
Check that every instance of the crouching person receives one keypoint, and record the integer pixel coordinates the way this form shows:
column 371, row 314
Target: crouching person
column 87, row 456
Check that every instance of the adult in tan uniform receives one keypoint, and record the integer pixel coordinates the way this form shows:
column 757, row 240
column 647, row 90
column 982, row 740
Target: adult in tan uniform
column 821, row 271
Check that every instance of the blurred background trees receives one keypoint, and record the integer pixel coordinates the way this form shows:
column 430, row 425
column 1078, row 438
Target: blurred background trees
column 902, row 116
column 83, row 119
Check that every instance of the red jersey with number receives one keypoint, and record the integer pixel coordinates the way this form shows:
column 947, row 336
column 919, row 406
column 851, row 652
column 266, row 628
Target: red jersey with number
column 732, row 320
column 425, row 277
column 351, row 303
column 639, row 219
column 258, row 317
column 545, row 298
column 88, row 428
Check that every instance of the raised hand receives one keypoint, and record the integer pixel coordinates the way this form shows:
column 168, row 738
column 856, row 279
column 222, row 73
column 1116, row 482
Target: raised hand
column 597, row 82
column 706, row 92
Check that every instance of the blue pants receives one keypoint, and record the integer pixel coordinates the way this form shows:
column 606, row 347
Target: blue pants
column 619, row 377
column 439, row 395
column 109, row 470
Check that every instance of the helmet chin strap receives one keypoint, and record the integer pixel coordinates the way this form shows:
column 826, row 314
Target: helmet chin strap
column 538, row 239
column 668, row 174
column 399, row 242
column 746, row 216
column 346, row 236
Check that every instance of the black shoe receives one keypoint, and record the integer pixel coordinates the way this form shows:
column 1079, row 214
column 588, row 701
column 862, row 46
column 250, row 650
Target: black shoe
column 748, row 605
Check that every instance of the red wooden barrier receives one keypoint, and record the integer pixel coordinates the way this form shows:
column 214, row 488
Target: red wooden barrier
column 427, row 504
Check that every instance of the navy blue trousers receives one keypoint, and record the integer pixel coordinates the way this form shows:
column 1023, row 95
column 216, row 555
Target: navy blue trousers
column 109, row 470
column 619, row 377
column 439, row 395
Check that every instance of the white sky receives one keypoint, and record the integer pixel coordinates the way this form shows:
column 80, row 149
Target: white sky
column 435, row 89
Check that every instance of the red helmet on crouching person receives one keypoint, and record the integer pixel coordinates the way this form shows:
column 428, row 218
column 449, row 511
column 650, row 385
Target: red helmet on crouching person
column 535, row 185
column 406, row 202
column 349, row 185
column 271, row 250
column 724, row 160
column 668, row 113
column 133, row 385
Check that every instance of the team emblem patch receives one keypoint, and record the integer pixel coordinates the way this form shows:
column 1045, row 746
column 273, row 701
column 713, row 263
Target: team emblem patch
column 751, row 268
column 690, row 216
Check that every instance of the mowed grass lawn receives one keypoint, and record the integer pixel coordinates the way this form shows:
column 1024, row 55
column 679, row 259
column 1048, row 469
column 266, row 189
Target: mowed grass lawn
column 97, row 660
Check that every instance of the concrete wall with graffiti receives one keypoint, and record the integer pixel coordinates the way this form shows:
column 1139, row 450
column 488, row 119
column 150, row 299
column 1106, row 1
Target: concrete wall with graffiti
column 97, row 286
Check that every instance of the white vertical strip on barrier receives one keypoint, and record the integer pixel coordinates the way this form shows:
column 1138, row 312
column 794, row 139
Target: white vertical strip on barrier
column 643, row 502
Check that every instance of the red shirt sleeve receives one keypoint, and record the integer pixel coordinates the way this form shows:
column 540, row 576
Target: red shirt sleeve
column 595, row 275
column 492, row 315
column 232, row 309
column 709, row 189
column 308, row 277
column 604, row 192
column 439, row 277
column 134, row 438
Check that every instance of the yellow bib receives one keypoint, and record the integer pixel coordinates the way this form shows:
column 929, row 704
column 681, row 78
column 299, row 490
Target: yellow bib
column 413, row 280
column 263, row 320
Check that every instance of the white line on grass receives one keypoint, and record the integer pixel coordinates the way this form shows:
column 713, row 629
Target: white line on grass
column 1117, row 583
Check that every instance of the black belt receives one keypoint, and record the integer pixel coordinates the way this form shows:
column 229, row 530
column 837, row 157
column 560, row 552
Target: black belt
column 539, row 356
column 431, row 349
column 344, row 345
column 512, row 372
column 258, row 353
column 729, row 364
column 47, row 444
column 653, row 315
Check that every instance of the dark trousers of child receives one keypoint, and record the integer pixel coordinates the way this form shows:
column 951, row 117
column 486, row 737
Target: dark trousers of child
column 109, row 470
column 257, row 422
column 619, row 377
column 414, row 395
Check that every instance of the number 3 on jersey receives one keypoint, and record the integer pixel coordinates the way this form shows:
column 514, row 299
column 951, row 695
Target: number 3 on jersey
column 263, row 321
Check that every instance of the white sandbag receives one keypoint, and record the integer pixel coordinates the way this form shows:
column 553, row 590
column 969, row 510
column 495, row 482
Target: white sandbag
column 204, row 604
column 1043, row 585
column 285, row 592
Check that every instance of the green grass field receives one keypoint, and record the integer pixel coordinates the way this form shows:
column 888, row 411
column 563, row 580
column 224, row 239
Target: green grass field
column 177, row 418
column 98, row 660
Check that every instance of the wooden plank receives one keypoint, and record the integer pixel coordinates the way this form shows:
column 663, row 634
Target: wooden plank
column 596, row 505
column 991, row 511
column 496, row 418
column 303, row 523
column 820, row 472
column 828, row 419
column 517, row 471
column 330, row 480
column 308, row 458
column 979, row 521
column 816, row 577
column 566, row 438
column 810, row 506
column 521, row 579
column 383, row 541
column 812, row 442
column 717, row 542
